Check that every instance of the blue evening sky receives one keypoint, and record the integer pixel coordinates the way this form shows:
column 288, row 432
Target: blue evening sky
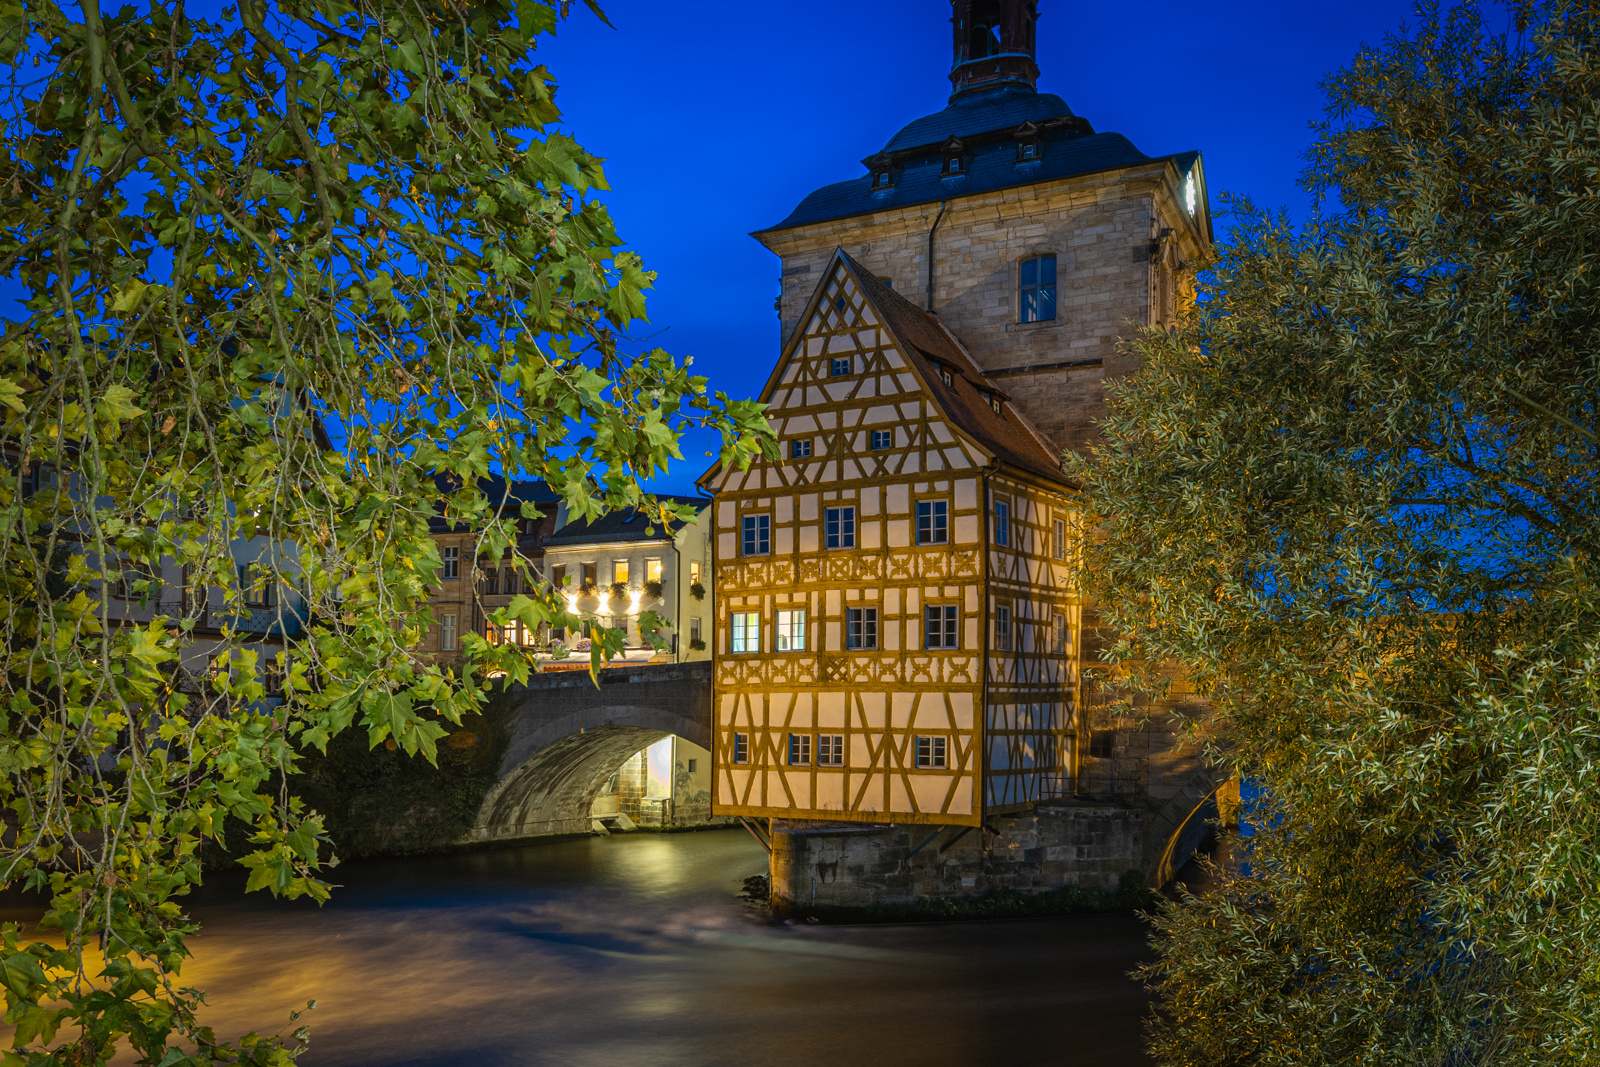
column 716, row 118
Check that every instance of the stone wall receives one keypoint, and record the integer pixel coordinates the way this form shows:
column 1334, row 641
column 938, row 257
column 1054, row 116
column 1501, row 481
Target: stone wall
column 1113, row 265
column 1053, row 845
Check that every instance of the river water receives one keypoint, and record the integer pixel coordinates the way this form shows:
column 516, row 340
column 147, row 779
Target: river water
column 635, row 950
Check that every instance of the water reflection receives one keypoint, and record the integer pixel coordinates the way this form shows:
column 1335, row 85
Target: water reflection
column 634, row 950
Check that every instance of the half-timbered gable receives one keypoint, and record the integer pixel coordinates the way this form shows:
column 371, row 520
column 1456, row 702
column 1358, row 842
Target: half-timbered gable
column 858, row 578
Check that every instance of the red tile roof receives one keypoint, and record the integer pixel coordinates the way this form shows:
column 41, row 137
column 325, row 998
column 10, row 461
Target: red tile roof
column 926, row 343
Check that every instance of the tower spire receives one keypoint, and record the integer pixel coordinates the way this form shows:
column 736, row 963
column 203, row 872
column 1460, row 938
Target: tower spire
column 994, row 44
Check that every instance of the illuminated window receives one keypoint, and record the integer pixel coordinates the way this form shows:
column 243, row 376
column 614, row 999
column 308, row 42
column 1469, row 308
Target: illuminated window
column 694, row 572
column 861, row 628
column 1036, row 289
column 839, row 527
column 741, row 748
column 450, row 559
column 652, row 570
column 619, row 571
column 792, row 631
column 746, row 631
column 1002, row 626
column 941, row 626
column 800, row 449
column 882, row 439
column 1002, row 523
column 757, row 535
column 447, row 633
column 799, row 750
column 931, row 752
column 830, row 750
column 933, row 522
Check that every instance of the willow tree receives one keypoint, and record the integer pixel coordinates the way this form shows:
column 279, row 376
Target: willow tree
column 1357, row 493
column 288, row 271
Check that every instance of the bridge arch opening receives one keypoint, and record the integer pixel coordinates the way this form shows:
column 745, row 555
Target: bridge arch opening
column 552, row 775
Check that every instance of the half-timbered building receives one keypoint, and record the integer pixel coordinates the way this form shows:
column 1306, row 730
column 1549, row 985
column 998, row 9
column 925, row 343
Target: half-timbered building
column 896, row 636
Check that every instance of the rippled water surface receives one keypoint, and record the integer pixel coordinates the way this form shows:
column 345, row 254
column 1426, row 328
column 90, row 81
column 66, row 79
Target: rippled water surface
column 635, row 950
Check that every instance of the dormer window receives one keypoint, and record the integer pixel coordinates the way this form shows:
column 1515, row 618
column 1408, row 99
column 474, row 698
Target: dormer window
column 1027, row 152
column 955, row 158
column 882, row 179
column 1028, row 146
column 946, row 377
column 994, row 402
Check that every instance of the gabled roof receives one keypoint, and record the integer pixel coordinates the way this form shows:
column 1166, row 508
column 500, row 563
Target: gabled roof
column 623, row 525
column 927, row 346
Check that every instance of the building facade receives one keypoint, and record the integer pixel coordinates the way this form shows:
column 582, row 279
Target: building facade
column 950, row 319
column 472, row 585
column 896, row 633
column 620, row 564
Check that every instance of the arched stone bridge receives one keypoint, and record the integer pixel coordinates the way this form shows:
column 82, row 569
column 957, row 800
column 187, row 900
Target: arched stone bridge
column 568, row 737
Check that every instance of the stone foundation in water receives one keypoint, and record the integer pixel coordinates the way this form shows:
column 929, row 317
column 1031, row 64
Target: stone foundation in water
column 1052, row 845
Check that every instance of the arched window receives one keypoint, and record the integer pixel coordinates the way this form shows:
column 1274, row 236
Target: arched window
column 1036, row 289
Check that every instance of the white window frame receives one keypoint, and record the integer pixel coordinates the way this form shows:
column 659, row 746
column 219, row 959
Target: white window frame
column 865, row 635
column 932, row 752
column 1002, row 627
column 791, row 630
column 830, row 750
column 741, row 748
column 799, row 750
column 839, row 527
column 447, row 633
column 1061, row 539
column 744, row 632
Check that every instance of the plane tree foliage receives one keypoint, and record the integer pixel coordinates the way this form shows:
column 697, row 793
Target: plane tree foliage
column 296, row 275
column 1357, row 494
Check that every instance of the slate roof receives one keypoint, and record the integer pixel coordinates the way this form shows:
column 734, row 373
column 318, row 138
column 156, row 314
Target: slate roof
column 925, row 341
column 980, row 111
column 624, row 525
column 536, row 492
column 1068, row 149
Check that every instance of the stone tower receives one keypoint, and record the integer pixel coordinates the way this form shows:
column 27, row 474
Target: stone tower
column 1038, row 242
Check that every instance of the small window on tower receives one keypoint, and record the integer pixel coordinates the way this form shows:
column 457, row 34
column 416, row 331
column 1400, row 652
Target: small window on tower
column 1036, row 289
column 1027, row 151
column 952, row 165
column 882, row 180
